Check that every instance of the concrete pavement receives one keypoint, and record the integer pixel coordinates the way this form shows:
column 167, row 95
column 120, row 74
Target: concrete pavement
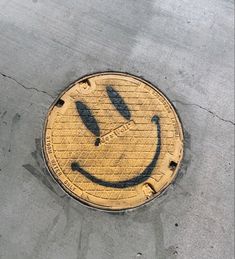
column 183, row 47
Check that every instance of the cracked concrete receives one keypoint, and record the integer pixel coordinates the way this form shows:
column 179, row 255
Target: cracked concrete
column 203, row 108
column 183, row 47
column 25, row 87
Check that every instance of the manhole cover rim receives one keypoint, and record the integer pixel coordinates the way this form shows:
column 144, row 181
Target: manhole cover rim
column 92, row 205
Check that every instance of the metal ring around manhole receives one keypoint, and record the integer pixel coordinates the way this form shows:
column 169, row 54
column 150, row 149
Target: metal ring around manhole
column 113, row 141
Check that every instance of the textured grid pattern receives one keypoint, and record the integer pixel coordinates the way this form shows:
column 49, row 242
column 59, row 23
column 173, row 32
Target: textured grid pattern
column 122, row 157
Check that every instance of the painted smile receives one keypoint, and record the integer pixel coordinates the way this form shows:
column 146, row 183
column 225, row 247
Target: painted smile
column 143, row 176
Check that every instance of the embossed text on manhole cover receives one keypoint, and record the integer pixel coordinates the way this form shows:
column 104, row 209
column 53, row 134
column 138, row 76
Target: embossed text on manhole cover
column 113, row 141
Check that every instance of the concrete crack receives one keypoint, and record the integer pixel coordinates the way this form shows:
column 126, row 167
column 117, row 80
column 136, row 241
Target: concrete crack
column 199, row 106
column 25, row 87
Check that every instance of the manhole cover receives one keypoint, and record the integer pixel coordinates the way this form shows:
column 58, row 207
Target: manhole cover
column 113, row 141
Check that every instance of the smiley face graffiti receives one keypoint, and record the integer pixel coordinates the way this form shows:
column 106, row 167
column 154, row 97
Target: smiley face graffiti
column 113, row 141
column 92, row 125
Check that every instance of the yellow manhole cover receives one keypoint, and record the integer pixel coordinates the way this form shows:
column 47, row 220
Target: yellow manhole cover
column 113, row 141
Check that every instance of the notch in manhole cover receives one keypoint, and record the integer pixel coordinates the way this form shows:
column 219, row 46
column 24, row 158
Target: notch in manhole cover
column 113, row 141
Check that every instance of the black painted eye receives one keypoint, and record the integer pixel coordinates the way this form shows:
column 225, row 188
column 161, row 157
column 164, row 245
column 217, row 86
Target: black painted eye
column 88, row 119
column 118, row 102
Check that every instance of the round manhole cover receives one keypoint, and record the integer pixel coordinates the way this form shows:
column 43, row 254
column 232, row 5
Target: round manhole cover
column 113, row 141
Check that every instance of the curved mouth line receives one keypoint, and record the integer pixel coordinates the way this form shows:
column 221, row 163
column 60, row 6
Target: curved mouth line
column 143, row 176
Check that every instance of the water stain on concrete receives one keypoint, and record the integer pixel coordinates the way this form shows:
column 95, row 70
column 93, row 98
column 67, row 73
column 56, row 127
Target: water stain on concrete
column 38, row 174
column 83, row 238
column 38, row 169
column 14, row 123
column 3, row 114
column 186, row 159
column 43, row 237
